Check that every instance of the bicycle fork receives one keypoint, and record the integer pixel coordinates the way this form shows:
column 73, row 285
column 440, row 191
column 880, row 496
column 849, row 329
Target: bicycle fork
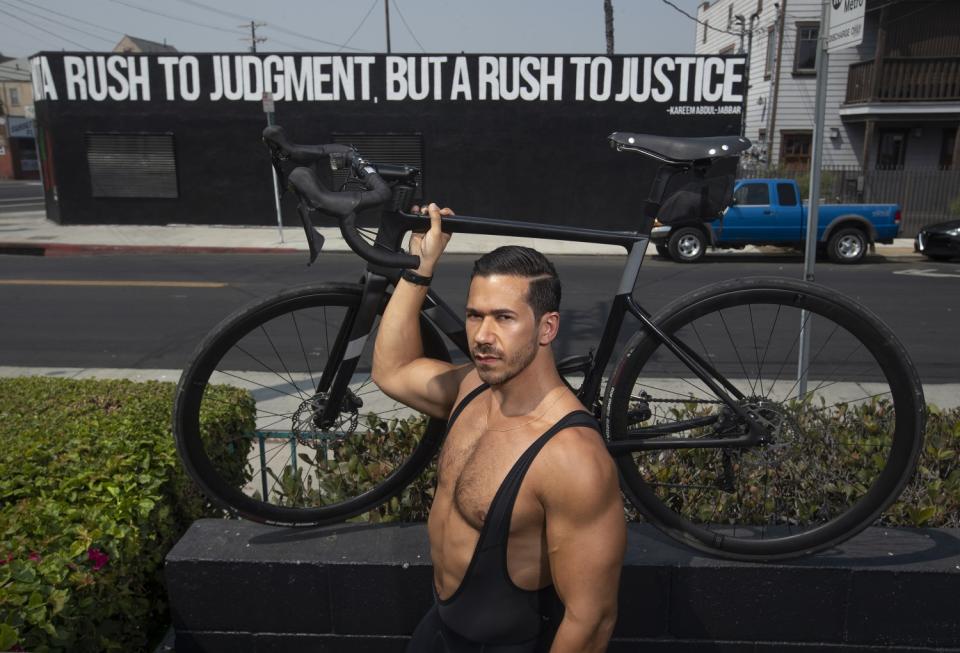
column 345, row 355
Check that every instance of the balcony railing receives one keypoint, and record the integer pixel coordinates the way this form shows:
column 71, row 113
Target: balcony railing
column 907, row 79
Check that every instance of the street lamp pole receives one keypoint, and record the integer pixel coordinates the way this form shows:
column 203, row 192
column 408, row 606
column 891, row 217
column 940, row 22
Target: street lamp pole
column 813, row 208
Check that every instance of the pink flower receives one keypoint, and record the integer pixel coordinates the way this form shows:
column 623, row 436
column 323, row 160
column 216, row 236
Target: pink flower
column 4, row 561
column 98, row 558
column 34, row 556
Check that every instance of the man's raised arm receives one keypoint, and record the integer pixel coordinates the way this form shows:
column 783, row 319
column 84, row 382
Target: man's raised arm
column 399, row 367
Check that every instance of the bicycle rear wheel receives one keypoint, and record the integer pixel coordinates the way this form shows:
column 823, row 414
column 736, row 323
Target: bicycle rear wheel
column 257, row 376
column 836, row 455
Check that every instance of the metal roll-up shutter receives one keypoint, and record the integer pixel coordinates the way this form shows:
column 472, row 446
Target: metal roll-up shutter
column 398, row 149
column 132, row 165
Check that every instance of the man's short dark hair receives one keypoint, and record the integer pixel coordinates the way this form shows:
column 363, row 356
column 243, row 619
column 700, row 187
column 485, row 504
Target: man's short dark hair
column 543, row 294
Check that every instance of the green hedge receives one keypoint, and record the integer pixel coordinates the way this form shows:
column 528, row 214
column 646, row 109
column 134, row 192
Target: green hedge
column 931, row 499
column 91, row 499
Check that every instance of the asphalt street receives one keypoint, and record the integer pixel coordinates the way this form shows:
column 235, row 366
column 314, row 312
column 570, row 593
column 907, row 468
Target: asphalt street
column 21, row 196
column 149, row 312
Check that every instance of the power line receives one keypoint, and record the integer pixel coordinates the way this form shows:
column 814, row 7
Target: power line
column 176, row 18
column 217, row 10
column 697, row 20
column 311, row 38
column 296, row 47
column 57, row 22
column 362, row 21
column 46, row 31
column 74, row 18
column 404, row 21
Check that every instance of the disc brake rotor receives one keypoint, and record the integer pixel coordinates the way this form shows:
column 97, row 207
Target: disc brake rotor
column 311, row 430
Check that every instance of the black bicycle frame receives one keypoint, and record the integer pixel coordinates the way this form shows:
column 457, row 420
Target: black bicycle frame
column 394, row 226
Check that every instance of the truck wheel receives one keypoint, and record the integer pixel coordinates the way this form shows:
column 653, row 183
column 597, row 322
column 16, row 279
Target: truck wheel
column 686, row 245
column 662, row 250
column 847, row 245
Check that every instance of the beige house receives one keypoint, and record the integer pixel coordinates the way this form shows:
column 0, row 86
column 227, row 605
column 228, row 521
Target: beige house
column 18, row 150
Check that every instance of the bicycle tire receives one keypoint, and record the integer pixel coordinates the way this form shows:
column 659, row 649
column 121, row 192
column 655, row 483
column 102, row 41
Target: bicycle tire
column 708, row 498
column 274, row 349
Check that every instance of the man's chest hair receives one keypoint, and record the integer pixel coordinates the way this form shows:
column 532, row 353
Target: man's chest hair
column 473, row 465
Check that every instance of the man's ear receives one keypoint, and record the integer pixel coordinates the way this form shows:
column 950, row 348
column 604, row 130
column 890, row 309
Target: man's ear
column 549, row 327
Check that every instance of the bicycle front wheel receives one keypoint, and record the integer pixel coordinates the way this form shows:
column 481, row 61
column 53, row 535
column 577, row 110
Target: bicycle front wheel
column 247, row 416
column 837, row 450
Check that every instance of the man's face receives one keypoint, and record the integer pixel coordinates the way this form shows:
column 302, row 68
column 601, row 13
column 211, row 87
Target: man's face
column 502, row 333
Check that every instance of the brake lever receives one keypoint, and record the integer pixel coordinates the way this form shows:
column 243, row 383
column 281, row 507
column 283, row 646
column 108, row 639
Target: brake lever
column 314, row 238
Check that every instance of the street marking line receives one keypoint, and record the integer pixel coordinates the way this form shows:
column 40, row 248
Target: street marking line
column 140, row 284
column 928, row 272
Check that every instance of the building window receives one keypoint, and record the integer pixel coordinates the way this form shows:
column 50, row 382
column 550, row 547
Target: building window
column 762, row 135
column 946, row 148
column 706, row 26
column 132, row 165
column 892, row 150
column 795, row 149
column 14, row 97
column 805, row 59
column 771, row 59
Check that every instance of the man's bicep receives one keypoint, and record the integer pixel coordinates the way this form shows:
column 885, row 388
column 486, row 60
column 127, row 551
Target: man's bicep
column 586, row 540
column 427, row 385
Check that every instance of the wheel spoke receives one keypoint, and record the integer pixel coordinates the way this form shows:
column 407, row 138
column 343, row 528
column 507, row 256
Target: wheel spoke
column 270, row 455
column 817, row 462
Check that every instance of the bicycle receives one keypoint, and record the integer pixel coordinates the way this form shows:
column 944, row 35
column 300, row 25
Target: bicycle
column 714, row 445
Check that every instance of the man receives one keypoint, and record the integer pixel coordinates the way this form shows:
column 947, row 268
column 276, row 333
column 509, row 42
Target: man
column 527, row 495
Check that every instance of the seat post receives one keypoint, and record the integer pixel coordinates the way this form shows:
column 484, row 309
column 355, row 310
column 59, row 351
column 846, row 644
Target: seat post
column 665, row 173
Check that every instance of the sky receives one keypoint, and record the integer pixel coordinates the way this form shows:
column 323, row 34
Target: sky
column 444, row 26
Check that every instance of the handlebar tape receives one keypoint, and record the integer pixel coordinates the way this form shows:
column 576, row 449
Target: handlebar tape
column 276, row 139
column 344, row 206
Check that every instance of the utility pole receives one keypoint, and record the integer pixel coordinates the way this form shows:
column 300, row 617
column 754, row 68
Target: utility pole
column 813, row 208
column 608, row 23
column 746, row 77
column 386, row 12
column 253, row 35
column 772, row 111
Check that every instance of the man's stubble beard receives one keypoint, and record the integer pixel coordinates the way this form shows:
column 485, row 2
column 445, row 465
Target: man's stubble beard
column 516, row 363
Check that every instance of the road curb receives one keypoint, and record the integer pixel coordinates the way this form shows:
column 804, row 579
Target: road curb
column 73, row 249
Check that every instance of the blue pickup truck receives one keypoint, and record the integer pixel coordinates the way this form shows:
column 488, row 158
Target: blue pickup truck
column 770, row 212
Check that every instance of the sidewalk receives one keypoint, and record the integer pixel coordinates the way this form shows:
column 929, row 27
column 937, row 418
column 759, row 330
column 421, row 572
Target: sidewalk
column 31, row 233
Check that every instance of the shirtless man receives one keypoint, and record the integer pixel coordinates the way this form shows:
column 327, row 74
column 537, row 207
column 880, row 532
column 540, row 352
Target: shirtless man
column 527, row 495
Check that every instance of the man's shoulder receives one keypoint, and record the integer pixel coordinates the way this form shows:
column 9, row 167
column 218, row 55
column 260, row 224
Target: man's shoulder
column 576, row 460
column 469, row 382
column 575, row 446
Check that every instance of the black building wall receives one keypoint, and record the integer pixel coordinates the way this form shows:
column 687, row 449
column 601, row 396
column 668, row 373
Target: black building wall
column 544, row 159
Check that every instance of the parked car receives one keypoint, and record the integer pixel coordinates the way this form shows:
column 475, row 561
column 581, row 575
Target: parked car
column 769, row 212
column 940, row 241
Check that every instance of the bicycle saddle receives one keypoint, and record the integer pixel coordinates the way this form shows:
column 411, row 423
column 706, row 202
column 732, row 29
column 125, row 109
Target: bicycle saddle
column 676, row 150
